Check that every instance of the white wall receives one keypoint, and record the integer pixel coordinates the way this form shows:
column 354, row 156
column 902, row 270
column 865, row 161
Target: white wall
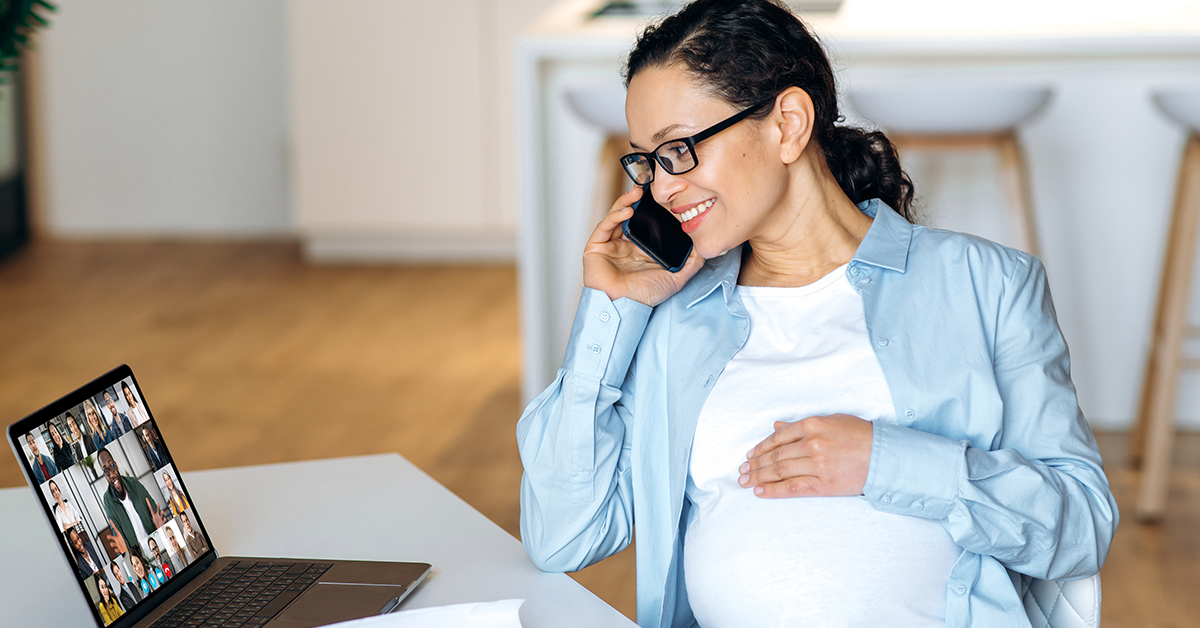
column 165, row 118
column 172, row 119
column 402, row 119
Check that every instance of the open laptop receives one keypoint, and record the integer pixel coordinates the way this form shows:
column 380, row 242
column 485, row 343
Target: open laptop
column 135, row 539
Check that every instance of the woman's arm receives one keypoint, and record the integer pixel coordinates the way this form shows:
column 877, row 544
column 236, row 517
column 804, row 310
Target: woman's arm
column 1037, row 500
column 576, row 493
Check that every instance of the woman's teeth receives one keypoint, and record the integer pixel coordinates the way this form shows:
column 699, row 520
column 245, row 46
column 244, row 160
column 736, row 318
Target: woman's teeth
column 697, row 210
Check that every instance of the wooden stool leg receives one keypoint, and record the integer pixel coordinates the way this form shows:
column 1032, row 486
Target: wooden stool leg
column 611, row 180
column 1156, row 421
column 1014, row 179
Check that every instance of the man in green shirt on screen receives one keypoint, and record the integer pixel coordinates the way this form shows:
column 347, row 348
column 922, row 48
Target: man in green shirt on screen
column 130, row 509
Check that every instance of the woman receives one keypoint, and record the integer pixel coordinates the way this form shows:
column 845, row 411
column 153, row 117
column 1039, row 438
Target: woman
column 110, row 610
column 137, row 415
column 144, row 578
column 86, row 560
column 830, row 415
column 178, row 502
column 101, row 435
column 65, row 514
column 60, row 450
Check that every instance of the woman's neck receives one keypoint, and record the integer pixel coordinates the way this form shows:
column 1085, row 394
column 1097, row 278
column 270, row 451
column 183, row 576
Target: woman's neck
column 812, row 233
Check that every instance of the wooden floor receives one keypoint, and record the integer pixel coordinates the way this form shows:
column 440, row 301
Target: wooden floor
column 250, row 356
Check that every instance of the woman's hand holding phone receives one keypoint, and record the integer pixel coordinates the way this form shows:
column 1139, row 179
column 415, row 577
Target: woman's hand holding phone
column 616, row 266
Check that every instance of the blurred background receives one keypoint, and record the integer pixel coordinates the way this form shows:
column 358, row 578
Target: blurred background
column 321, row 229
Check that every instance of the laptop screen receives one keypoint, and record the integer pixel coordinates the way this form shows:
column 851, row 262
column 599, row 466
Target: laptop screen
column 108, row 483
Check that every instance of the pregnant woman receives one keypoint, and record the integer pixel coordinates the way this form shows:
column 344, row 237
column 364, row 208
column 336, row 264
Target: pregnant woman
column 831, row 416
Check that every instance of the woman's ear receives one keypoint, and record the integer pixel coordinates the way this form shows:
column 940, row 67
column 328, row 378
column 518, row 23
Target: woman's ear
column 794, row 115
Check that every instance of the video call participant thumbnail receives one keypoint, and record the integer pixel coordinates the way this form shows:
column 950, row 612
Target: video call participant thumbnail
column 194, row 542
column 43, row 466
column 101, row 435
column 137, row 414
column 60, row 449
column 87, row 562
column 169, row 564
column 146, row 578
column 175, row 499
column 78, row 442
column 130, row 509
column 127, row 592
column 154, row 447
column 118, row 418
column 65, row 514
column 110, row 610
column 179, row 550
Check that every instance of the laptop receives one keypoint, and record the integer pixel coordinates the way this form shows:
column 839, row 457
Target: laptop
column 135, row 539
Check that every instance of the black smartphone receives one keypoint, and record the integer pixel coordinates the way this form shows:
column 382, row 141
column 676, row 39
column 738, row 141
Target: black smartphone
column 655, row 230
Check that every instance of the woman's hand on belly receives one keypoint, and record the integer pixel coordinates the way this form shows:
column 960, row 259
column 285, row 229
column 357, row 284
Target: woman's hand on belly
column 821, row 456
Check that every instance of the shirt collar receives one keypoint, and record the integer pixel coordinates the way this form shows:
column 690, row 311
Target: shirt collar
column 885, row 245
column 719, row 271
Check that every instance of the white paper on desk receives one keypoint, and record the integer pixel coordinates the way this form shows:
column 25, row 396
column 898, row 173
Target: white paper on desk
column 500, row 614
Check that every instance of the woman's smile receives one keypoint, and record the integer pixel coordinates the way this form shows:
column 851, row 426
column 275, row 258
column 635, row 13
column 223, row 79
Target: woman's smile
column 688, row 212
column 693, row 216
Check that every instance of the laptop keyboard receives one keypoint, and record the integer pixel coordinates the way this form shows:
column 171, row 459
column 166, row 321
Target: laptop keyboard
column 244, row 593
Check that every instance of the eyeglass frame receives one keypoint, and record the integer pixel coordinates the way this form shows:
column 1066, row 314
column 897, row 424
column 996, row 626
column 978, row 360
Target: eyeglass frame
column 690, row 142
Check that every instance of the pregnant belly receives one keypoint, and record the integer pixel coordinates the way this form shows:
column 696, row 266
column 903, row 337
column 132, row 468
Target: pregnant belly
column 831, row 561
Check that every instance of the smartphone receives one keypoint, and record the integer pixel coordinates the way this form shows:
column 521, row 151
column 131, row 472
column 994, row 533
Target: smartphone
column 655, row 230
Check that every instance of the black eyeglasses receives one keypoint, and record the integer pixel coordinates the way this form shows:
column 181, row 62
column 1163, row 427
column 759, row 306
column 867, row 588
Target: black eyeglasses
column 677, row 156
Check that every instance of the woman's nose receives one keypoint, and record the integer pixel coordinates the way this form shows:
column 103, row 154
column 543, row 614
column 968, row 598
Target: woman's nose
column 665, row 185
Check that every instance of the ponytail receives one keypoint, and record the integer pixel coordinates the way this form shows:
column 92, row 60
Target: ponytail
column 866, row 166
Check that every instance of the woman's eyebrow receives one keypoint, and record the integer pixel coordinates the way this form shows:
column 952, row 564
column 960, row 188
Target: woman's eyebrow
column 665, row 131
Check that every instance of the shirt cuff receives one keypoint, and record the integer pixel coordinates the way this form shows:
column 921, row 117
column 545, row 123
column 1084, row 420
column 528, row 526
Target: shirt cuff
column 913, row 472
column 605, row 335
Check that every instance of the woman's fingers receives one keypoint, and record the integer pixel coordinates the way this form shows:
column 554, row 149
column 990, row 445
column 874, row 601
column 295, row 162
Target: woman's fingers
column 621, row 210
column 827, row 455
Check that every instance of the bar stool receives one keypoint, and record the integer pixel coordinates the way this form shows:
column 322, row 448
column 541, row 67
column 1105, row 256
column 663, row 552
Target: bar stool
column 945, row 117
column 1155, row 430
column 603, row 105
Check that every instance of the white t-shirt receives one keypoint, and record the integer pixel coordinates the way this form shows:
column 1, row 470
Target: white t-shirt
column 811, row 561
column 135, row 520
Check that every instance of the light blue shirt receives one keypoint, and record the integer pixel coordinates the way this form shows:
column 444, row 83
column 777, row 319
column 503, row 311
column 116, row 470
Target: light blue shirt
column 990, row 441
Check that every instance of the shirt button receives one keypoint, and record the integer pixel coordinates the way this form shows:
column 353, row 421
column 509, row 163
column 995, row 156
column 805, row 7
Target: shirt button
column 887, row 499
column 595, row 349
column 919, row 506
column 883, row 342
column 960, row 589
column 909, row 413
column 866, row 280
column 604, row 316
column 854, row 270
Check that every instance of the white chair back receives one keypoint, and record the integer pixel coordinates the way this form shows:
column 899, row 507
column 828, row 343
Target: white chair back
column 1060, row 603
column 1181, row 105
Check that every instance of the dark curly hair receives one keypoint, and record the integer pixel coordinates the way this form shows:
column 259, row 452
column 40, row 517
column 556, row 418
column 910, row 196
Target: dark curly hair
column 749, row 51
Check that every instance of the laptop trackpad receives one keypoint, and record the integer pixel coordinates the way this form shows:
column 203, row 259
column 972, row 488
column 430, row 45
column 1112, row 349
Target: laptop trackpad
column 327, row 603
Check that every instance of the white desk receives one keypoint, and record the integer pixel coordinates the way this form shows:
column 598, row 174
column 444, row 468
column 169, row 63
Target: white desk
column 368, row 508
column 1103, row 160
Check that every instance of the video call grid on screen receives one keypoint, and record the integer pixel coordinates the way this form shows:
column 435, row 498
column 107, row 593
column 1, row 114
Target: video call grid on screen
column 131, row 548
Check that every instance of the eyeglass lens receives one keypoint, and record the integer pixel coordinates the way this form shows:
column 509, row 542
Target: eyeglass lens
column 675, row 157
